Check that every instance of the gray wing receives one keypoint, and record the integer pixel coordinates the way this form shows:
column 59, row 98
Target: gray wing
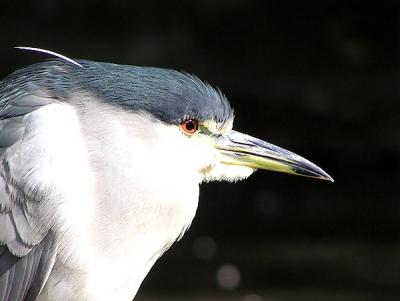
column 27, row 244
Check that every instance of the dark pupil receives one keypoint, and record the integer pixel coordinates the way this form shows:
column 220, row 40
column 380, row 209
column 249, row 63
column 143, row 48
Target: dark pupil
column 190, row 125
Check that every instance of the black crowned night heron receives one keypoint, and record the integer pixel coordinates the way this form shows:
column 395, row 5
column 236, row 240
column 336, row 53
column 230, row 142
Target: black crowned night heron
column 100, row 172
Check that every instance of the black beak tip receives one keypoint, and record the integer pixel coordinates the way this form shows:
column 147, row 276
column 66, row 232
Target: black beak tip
column 314, row 172
column 327, row 177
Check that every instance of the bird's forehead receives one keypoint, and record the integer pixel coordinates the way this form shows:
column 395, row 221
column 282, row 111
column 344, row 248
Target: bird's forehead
column 169, row 95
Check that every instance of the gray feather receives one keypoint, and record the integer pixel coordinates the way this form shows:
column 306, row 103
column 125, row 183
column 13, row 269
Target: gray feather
column 27, row 245
column 7, row 233
column 32, row 101
column 26, row 230
column 45, row 264
column 22, row 278
column 10, row 131
column 14, row 111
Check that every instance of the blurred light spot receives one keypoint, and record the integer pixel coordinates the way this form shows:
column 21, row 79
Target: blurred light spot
column 228, row 276
column 204, row 247
column 252, row 297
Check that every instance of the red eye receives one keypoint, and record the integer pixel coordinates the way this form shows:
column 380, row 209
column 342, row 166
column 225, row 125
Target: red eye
column 189, row 126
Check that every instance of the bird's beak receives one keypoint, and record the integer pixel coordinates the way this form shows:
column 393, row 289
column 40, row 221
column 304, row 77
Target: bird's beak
column 244, row 150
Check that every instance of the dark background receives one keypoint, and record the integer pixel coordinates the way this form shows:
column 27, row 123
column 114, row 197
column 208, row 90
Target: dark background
column 318, row 78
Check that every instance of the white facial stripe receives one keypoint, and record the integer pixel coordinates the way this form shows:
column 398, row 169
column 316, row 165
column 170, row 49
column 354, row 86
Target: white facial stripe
column 216, row 127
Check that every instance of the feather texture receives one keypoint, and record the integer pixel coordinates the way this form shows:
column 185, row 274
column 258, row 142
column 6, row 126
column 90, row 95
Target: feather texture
column 27, row 250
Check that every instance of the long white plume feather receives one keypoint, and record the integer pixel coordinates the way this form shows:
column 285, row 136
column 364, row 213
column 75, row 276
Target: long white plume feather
column 51, row 53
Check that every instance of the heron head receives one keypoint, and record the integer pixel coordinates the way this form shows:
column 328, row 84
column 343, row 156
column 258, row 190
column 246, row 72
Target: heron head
column 194, row 122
